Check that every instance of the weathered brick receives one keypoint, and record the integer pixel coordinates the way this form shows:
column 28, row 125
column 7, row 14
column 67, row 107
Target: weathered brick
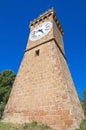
column 68, row 122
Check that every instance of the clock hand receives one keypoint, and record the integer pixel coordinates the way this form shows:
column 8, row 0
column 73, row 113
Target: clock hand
column 40, row 30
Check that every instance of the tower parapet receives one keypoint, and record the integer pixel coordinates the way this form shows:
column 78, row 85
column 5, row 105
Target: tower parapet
column 46, row 15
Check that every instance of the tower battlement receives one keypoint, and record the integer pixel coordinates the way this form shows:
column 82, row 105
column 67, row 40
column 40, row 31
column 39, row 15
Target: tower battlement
column 46, row 15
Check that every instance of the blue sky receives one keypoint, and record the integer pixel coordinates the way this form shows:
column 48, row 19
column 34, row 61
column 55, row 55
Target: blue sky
column 14, row 21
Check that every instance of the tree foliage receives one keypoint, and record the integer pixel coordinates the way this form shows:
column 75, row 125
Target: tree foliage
column 83, row 102
column 7, row 78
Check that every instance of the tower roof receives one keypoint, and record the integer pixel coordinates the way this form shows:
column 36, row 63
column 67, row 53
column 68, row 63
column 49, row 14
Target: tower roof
column 45, row 15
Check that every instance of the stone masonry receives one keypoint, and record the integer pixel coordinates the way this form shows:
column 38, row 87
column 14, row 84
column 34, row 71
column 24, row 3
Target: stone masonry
column 43, row 89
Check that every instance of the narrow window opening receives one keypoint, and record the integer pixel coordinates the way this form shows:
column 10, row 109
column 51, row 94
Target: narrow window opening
column 37, row 52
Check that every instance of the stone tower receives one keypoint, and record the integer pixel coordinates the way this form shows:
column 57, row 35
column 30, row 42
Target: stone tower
column 43, row 89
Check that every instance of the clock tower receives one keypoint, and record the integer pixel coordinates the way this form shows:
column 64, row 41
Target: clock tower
column 43, row 89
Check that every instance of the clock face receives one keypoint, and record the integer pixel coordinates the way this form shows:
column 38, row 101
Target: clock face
column 40, row 31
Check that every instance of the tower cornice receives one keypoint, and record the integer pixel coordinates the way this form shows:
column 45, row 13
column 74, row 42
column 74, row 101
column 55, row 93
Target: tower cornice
column 46, row 15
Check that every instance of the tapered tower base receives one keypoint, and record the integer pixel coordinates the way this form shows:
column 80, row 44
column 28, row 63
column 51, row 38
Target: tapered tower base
column 43, row 90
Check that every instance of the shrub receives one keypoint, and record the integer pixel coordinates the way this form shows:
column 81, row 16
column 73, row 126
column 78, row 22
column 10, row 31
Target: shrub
column 82, row 125
column 25, row 126
column 34, row 123
column 44, row 126
column 2, row 106
column 16, row 128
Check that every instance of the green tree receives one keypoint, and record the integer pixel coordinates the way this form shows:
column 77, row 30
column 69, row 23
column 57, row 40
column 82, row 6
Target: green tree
column 7, row 78
column 83, row 102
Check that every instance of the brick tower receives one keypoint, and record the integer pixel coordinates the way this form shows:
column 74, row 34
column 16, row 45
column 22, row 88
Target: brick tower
column 43, row 89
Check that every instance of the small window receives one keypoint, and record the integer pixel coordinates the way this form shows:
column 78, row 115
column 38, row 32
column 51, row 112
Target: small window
column 37, row 52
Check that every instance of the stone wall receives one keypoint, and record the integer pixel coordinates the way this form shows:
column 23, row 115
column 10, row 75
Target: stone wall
column 43, row 89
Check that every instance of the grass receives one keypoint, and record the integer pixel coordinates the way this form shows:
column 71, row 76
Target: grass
column 8, row 126
column 26, row 126
column 33, row 126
